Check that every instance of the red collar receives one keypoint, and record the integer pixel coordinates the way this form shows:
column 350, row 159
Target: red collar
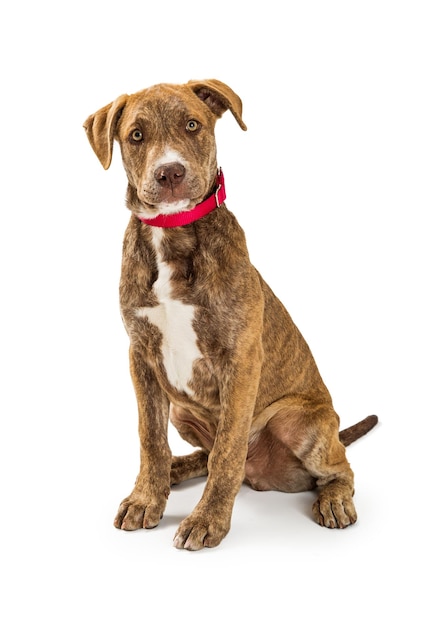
column 200, row 210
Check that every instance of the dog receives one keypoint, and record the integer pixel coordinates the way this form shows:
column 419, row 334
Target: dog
column 211, row 347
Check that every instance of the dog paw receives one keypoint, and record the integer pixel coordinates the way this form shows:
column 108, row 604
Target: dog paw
column 196, row 532
column 334, row 512
column 135, row 513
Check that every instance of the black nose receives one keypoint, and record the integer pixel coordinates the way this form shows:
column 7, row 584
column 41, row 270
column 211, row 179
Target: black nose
column 169, row 174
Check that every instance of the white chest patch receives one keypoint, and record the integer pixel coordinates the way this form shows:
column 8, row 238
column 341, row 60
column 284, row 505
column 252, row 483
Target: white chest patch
column 174, row 320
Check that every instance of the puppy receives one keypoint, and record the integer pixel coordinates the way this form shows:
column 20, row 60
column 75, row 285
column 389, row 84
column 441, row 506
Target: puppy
column 211, row 347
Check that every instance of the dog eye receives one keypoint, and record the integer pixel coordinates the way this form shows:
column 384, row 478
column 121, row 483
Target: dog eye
column 192, row 126
column 136, row 136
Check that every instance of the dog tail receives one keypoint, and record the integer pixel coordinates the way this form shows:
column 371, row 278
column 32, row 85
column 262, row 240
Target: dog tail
column 348, row 435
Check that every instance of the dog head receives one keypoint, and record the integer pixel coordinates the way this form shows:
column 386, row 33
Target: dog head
column 166, row 136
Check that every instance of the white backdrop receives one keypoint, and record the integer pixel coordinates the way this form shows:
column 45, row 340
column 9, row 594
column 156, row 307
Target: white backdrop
column 340, row 185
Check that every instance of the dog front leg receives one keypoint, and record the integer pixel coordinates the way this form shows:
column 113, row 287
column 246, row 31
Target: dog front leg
column 145, row 506
column 210, row 521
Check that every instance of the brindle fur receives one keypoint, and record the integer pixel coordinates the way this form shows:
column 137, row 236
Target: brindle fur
column 257, row 408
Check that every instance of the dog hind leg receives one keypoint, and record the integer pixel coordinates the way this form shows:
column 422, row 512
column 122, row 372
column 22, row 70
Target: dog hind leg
column 189, row 466
column 196, row 433
column 312, row 434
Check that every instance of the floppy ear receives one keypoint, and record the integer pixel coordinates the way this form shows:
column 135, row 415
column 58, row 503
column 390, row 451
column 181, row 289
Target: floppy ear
column 218, row 97
column 100, row 128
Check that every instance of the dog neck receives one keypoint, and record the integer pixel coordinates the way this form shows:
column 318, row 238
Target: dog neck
column 192, row 215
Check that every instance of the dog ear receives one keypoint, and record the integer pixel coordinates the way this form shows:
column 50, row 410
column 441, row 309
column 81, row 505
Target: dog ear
column 100, row 128
column 218, row 97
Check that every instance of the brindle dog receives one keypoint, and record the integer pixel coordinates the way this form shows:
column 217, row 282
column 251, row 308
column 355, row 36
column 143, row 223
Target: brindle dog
column 211, row 346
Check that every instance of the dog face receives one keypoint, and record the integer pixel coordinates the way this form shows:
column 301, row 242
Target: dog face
column 166, row 136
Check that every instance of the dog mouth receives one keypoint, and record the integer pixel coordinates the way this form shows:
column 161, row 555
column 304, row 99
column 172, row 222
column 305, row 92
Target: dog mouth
column 169, row 199
column 155, row 197
column 169, row 189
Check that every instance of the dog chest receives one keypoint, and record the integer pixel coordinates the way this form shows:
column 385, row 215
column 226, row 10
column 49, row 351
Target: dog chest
column 174, row 319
